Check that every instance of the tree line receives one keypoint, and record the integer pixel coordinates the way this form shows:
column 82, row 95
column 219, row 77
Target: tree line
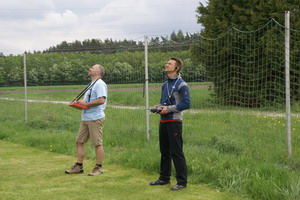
column 240, row 51
column 66, row 63
column 113, row 46
column 71, row 68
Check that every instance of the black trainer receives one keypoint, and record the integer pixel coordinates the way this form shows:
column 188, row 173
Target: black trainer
column 178, row 187
column 160, row 182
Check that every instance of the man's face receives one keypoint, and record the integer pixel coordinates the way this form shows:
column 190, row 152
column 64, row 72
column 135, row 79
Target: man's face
column 170, row 66
column 94, row 70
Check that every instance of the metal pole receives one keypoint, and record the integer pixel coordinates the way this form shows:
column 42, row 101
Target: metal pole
column 287, row 84
column 146, row 88
column 25, row 87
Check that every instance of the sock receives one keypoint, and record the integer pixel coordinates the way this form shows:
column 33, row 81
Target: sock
column 79, row 164
column 99, row 165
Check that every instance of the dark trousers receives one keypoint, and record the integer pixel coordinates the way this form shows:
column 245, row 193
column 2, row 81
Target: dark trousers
column 170, row 142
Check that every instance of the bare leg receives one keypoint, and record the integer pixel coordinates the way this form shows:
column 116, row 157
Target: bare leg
column 99, row 154
column 80, row 152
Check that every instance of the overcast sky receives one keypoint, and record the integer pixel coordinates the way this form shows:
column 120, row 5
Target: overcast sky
column 28, row 25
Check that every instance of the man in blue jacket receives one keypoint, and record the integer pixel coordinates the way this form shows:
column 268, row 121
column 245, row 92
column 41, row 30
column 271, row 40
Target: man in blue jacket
column 175, row 98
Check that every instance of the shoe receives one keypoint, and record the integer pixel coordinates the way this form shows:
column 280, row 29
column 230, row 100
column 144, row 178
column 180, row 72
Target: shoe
column 178, row 187
column 96, row 171
column 160, row 182
column 75, row 169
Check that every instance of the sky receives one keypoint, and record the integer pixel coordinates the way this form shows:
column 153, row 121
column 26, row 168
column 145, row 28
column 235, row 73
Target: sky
column 35, row 25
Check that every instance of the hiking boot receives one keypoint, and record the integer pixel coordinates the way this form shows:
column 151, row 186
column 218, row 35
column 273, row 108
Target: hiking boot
column 96, row 171
column 75, row 169
column 160, row 182
column 178, row 187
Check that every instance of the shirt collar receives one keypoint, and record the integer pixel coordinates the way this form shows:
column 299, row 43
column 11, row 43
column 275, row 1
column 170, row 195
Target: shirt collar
column 177, row 76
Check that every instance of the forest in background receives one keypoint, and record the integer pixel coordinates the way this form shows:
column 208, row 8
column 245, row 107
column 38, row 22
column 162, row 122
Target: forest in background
column 124, row 61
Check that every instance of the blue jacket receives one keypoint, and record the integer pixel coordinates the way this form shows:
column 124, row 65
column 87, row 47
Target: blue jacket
column 176, row 96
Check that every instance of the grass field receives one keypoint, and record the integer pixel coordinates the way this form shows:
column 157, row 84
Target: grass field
column 238, row 152
column 28, row 173
column 133, row 95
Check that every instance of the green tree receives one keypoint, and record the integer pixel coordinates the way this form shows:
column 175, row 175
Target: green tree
column 2, row 76
column 235, row 54
column 120, row 73
column 15, row 76
column 218, row 16
column 180, row 36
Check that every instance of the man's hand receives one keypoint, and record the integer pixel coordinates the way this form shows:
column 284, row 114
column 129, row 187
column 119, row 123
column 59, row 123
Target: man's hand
column 164, row 110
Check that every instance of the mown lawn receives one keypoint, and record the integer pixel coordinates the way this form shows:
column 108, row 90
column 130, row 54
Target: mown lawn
column 28, row 174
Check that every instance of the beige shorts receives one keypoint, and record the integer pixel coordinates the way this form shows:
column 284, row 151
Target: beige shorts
column 91, row 129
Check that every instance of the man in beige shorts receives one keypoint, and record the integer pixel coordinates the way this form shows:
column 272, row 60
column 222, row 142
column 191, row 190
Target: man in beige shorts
column 92, row 122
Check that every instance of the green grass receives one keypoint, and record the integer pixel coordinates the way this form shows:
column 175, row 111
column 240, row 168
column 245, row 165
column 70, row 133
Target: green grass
column 237, row 152
column 201, row 98
column 28, row 173
column 48, row 87
column 135, row 85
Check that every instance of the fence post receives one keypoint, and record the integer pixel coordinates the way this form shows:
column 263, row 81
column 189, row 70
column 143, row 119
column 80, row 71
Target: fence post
column 287, row 84
column 146, row 88
column 25, row 87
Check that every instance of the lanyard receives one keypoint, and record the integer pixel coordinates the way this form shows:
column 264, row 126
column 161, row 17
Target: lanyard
column 84, row 91
column 173, row 87
column 90, row 88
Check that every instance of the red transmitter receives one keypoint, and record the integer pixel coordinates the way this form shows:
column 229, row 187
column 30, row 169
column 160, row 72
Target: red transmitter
column 77, row 105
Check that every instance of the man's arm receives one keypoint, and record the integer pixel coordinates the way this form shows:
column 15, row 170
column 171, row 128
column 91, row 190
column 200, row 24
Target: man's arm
column 96, row 102
column 185, row 98
column 183, row 105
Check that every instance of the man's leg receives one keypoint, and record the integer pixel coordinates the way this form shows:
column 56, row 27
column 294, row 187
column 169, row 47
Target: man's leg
column 80, row 152
column 99, row 154
column 96, row 135
column 99, row 159
column 176, row 148
column 78, row 167
column 82, row 137
column 95, row 128
column 165, row 162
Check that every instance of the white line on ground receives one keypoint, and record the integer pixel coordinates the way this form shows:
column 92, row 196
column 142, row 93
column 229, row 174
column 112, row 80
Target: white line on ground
column 143, row 107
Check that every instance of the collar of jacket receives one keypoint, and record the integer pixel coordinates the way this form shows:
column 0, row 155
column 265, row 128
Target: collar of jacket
column 174, row 77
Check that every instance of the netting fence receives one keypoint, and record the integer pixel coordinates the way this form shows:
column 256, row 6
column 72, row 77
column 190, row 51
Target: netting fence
column 240, row 73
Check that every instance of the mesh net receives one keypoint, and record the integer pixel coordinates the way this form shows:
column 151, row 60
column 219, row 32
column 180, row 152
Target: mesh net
column 247, row 69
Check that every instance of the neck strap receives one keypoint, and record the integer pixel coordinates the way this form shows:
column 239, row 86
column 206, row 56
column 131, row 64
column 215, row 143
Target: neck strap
column 90, row 85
